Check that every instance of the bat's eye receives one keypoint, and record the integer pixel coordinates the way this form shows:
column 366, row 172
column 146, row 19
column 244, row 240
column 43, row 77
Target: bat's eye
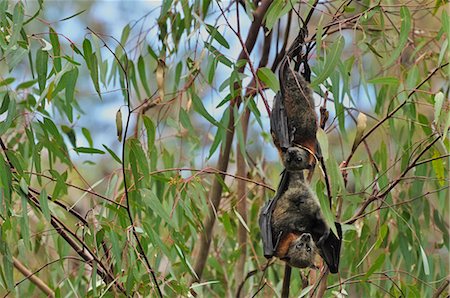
column 308, row 249
column 300, row 245
column 299, row 159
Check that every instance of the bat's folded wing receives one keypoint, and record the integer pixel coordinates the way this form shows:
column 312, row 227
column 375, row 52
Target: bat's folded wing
column 330, row 249
column 265, row 219
column 279, row 124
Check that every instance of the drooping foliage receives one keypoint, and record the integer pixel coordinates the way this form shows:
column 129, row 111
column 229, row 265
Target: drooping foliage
column 138, row 163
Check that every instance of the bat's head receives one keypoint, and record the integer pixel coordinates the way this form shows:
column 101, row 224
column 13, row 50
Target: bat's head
column 302, row 252
column 296, row 159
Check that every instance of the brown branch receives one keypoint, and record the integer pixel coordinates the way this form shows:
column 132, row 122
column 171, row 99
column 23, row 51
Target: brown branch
column 124, row 69
column 441, row 288
column 381, row 196
column 61, row 229
column 33, row 278
column 246, row 53
column 389, row 115
column 202, row 249
column 241, row 171
column 79, row 188
column 322, row 285
column 241, row 194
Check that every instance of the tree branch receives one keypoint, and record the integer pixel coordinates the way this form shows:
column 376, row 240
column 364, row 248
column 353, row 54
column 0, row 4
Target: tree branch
column 125, row 185
column 202, row 249
column 33, row 278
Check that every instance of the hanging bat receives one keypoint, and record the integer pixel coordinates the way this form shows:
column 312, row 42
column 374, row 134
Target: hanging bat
column 294, row 213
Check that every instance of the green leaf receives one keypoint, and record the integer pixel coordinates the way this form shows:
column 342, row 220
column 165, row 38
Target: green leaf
column 26, row 85
column 215, row 34
column 56, row 48
column 332, row 59
column 376, row 265
column 268, row 77
column 325, row 206
column 186, row 121
column 438, row 103
column 219, row 56
column 323, row 141
column 373, row 50
column 70, row 134
column 5, row 103
column 41, row 68
column 125, row 33
column 72, row 16
column 8, row 271
column 5, row 124
column 150, row 198
column 151, row 132
column 17, row 23
column 200, row 108
column 43, row 202
column 142, row 75
column 114, row 156
column 384, row 80
column 70, row 79
column 88, row 150
column 405, row 28
column 87, row 135
column 6, row 82
column 438, row 167
column 426, row 266
column 274, row 13
column 92, row 64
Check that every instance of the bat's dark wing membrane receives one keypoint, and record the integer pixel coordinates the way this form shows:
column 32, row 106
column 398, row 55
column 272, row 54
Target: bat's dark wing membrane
column 265, row 218
column 330, row 249
column 279, row 123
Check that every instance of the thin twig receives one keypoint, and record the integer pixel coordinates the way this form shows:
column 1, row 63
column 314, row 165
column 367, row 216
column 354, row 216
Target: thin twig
column 127, row 123
column 33, row 278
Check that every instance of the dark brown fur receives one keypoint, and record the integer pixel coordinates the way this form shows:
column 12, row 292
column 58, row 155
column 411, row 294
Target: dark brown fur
column 301, row 118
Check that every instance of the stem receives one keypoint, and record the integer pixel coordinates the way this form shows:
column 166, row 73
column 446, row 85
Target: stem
column 127, row 197
column 33, row 278
column 202, row 249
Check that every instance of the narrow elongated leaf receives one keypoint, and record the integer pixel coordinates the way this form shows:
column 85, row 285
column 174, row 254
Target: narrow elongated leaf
column 376, row 265
column 71, row 79
column 274, row 13
column 113, row 155
column 200, row 108
column 331, row 60
column 18, row 17
column 426, row 266
column 405, row 28
column 87, row 135
column 88, row 150
column 43, row 202
column 215, row 34
column 92, row 64
column 41, row 68
column 268, row 77
column 384, row 80
column 142, row 75
column 5, row 124
column 54, row 40
column 150, row 198
column 6, row 81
